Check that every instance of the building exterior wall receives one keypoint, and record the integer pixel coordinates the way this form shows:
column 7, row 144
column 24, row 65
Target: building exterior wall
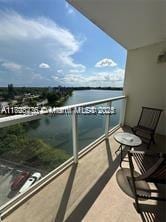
column 145, row 83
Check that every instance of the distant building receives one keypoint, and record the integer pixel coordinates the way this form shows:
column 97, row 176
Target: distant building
column 17, row 97
column 50, row 89
column 1, row 98
column 27, row 94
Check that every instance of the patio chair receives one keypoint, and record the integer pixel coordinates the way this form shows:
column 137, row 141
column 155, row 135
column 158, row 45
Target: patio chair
column 147, row 124
column 152, row 168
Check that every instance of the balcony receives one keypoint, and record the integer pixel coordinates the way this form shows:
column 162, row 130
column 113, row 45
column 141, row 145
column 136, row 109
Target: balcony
column 85, row 187
column 88, row 191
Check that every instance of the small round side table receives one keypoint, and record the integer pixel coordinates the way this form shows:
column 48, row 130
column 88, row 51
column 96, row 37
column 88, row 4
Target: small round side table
column 126, row 139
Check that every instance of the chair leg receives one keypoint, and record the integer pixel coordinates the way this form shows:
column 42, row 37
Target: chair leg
column 119, row 149
column 153, row 140
column 133, row 183
column 137, row 204
column 133, row 130
column 121, row 156
column 149, row 143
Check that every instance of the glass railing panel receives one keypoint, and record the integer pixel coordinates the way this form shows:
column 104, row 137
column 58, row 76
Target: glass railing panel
column 115, row 117
column 91, row 126
column 38, row 146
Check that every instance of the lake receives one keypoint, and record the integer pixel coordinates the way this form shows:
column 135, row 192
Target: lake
column 57, row 130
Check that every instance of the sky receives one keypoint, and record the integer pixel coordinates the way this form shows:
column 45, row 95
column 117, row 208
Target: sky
column 49, row 43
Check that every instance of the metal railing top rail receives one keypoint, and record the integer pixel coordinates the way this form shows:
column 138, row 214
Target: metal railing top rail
column 95, row 102
column 14, row 119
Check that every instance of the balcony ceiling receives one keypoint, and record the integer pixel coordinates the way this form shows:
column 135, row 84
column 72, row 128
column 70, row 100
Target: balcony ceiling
column 132, row 23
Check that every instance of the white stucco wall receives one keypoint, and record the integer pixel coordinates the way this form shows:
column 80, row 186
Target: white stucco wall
column 145, row 83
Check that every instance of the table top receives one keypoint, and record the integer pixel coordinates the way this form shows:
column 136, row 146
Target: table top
column 128, row 139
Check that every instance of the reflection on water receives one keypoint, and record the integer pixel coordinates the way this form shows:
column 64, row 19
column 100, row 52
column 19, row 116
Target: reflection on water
column 57, row 130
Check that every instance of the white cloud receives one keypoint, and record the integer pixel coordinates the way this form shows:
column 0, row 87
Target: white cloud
column 79, row 69
column 44, row 66
column 116, row 75
column 28, row 41
column 55, row 77
column 114, row 78
column 60, row 71
column 66, row 5
column 105, row 63
column 70, row 10
column 37, row 76
column 75, row 79
column 40, row 38
column 11, row 66
column 15, row 26
column 66, row 59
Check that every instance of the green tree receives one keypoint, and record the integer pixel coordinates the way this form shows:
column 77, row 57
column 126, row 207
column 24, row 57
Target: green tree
column 52, row 98
column 17, row 146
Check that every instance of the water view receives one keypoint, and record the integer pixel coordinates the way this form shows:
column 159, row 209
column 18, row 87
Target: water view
column 45, row 143
column 39, row 146
column 57, row 131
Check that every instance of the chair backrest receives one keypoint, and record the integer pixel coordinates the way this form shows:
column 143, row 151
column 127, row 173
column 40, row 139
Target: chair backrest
column 149, row 118
column 160, row 173
column 152, row 166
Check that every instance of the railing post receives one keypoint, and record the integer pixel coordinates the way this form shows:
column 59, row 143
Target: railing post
column 107, row 121
column 75, row 137
column 123, row 111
